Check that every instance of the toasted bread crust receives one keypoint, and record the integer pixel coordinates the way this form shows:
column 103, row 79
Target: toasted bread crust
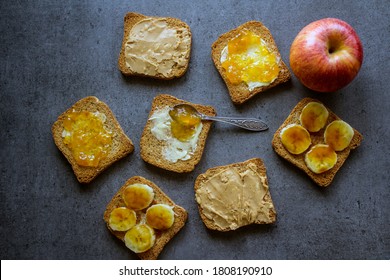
column 241, row 166
column 162, row 236
column 121, row 146
column 326, row 178
column 240, row 93
column 151, row 147
column 130, row 20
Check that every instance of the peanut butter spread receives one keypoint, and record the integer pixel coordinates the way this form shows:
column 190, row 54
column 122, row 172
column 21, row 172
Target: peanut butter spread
column 234, row 198
column 154, row 48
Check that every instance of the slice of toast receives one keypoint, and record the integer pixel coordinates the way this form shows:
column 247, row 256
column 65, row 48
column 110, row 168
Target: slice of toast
column 322, row 179
column 265, row 215
column 240, row 93
column 120, row 147
column 162, row 236
column 152, row 148
column 178, row 69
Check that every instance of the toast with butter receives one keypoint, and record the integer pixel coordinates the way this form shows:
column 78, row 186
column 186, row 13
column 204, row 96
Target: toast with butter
column 316, row 138
column 162, row 236
column 249, row 61
column 157, row 47
column 160, row 147
column 235, row 195
column 90, row 138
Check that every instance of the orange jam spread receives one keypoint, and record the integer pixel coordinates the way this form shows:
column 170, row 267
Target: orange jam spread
column 249, row 60
column 87, row 138
column 184, row 123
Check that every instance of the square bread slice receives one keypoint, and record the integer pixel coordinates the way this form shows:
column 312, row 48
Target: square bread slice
column 120, row 147
column 152, row 149
column 235, row 195
column 162, row 236
column 322, row 179
column 240, row 93
column 167, row 60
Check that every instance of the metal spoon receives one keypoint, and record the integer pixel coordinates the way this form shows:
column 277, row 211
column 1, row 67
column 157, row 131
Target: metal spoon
column 252, row 124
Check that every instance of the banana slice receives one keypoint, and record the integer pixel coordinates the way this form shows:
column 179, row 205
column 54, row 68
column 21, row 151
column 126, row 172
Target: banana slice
column 160, row 216
column 295, row 138
column 320, row 158
column 122, row 219
column 138, row 196
column 314, row 116
column 338, row 134
column 140, row 238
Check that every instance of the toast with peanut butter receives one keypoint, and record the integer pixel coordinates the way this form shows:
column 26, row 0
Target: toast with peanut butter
column 159, row 145
column 157, row 47
column 245, row 72
column 319, row 158
column 235, row 195
column 162, row 236
column 90, row 138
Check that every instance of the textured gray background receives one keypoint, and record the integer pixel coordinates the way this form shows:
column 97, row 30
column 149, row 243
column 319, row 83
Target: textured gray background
column 54, row 53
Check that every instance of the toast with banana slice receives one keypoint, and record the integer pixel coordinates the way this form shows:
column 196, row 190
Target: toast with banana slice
column 316, row 140
column 157, row 217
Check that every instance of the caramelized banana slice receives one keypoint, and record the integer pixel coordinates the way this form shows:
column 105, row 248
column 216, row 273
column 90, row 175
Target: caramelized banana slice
column 295, row 138
column 140, row 238
column 122, row 219
column 138, row 196
column 338, row 134
column 320, row 158
column 160, row 216
column 314, row 116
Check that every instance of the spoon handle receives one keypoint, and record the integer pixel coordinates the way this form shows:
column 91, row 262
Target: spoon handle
column 247, row 123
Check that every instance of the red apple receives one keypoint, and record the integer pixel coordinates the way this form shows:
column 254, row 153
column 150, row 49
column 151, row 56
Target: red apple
column 326, row 55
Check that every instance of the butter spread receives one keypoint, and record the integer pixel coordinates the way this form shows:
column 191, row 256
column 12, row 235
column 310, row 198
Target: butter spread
column 153, row 48
column 173, row 149
column 234, row 198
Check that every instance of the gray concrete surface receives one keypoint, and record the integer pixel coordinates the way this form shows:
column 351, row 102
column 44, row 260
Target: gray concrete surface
column 54, row 53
